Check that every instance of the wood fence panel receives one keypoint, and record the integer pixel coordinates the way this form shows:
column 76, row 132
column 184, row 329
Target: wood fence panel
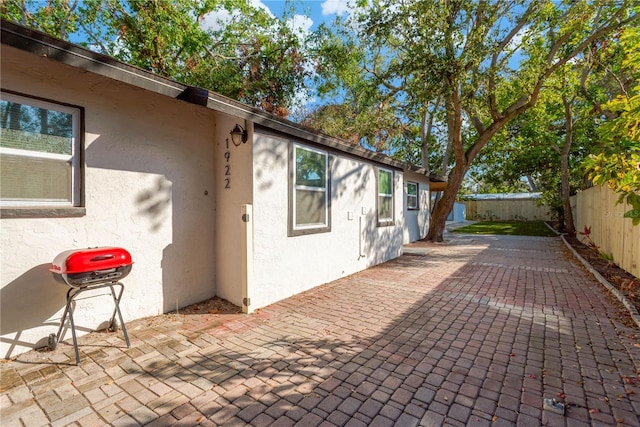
column 597, row 217
column 615, row 235
column 631, row 250
column 506, row 210
column 471, row 206
column 615, row 220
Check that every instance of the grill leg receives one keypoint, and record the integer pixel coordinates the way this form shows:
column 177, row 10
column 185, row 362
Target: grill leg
column 64, row 316
column 73, row 335
column 68, row 311
column 116, row 301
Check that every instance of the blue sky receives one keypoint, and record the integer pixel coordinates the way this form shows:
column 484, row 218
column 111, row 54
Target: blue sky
column 309, row 13
column 317, row 11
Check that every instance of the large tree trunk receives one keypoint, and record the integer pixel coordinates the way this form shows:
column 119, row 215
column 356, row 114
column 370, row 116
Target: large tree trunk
column 444, row 205
column 463, row 159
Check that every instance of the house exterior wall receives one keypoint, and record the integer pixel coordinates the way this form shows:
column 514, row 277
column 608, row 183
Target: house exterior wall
column 416, row 222
column 283, row 265
column 234, row 173
column 458, row 213
column 200, row 216
column 149, row 184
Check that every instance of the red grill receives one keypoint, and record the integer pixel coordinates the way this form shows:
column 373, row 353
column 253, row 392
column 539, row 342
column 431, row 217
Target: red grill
column 90, row 269
column 79, row 268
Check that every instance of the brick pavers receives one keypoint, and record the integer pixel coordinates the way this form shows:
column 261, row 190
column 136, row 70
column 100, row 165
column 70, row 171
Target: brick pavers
column 477, row 332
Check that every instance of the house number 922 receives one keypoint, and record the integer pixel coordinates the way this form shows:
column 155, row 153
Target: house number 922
column 227, row 167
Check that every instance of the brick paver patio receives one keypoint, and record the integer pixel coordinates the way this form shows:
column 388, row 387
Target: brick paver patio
column 477, row 332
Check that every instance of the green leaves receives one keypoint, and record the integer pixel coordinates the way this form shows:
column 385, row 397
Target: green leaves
column 229, row 46
column 617, row 164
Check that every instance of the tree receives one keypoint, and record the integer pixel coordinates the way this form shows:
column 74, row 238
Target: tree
column 560, row 131
column 488, row 60
column 553, row 136
column 56, row 17
column 251, row 56
column 617, row 165
column 365, row 115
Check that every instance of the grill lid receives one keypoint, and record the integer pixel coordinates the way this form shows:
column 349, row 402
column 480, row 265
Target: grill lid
column 92, row 259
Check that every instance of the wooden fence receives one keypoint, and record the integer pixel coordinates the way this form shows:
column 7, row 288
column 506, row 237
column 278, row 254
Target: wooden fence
column 615, row 235
column 506, row 210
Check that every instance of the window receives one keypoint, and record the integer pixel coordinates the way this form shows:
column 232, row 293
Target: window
column 385, row 197
column 309, row 201
column 412, row 196
column 39, row 153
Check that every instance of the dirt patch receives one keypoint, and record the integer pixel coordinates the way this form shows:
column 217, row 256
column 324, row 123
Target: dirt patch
column 625, row 282
column 210, row 309
column 213, row 305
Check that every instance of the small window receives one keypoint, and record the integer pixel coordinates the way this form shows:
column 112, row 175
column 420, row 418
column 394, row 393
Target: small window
column 309, row 205
column 412, row 196
column 39, row 153
column 385, row 197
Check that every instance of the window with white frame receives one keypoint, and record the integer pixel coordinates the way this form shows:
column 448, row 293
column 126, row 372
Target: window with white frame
column 412, row 196
column 310, row 195
column 385, row 197
column 39, row 152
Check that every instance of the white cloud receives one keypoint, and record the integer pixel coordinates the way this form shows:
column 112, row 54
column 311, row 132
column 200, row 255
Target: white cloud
column 259, row 5
column 337, row 7
column 300, row 24
column 217, row 19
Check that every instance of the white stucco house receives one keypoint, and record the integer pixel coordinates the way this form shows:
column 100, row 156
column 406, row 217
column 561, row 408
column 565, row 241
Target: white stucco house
column 95, row 152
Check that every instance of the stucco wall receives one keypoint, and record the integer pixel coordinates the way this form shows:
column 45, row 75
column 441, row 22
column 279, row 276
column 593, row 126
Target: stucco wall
column 149, row 187
column 284, row 266
column 233, row 189
column 416, row 222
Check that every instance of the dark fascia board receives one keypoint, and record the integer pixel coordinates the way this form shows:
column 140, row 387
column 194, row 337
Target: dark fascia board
column 44, row 45
column 437, row 178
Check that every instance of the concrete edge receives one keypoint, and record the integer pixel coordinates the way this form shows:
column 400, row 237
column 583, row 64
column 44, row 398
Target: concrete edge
column 413, row 250
column 621, row 297
column 552, row 229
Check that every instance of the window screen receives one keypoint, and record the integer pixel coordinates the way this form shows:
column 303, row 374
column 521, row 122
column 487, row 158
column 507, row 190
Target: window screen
column 412, row 195
column 39, row 152
column 310, row 189
column 385, row 196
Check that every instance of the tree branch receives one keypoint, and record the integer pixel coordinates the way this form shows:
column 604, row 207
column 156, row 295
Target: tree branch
column 493, row 107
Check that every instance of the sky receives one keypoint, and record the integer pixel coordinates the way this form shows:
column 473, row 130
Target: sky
column 311, row 12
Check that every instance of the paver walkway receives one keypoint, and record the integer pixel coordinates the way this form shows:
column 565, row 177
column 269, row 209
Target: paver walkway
column 477, row 332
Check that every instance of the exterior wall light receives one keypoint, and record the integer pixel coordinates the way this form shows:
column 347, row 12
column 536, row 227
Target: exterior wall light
column 238, row 135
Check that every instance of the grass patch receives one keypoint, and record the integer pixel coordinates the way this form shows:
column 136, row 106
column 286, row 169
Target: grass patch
column 511, row 228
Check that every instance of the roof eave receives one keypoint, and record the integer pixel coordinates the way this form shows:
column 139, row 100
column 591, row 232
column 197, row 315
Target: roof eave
column 44, row 45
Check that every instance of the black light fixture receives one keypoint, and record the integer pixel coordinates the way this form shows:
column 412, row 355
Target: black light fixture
column 238, row 135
